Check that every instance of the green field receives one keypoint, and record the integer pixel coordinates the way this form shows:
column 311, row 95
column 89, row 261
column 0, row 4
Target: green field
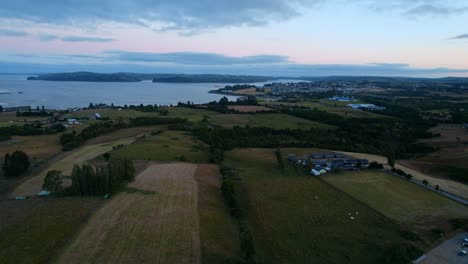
column 277, row 121
column 193, row 115
column 166, row 146
column 301, row 219
column 394, row 197
column 35, row 230
column 333, row 107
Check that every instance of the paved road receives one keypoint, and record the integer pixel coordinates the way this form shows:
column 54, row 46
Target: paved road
column 447, row 252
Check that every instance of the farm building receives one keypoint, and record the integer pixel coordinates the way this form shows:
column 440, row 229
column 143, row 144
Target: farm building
column 292, row 158
column 341, row 99
column 317, row 156
column 315, row 172
column 366, row 106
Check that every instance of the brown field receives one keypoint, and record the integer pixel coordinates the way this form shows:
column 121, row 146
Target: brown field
column 252, row 91
column 218, row 231
column 449, row 133
column 249, row 108
column 79, row 156
column 157, row 223
column 38, row 148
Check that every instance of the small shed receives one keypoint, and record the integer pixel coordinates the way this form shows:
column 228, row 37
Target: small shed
column 315, row 172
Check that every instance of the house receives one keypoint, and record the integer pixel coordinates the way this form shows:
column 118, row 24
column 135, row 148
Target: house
column 364, row 162
column 338, row 163
column 97, row 116
column 315, row 172
column 339, row 155
column 366, row 106
column 292, row 158
column 353, row 162
column 329, row 155
column 317, row 156
column 340, row 99
column 319, row 163
column 72, row 121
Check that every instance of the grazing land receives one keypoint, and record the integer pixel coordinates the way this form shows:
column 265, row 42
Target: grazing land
column 249, row 108
column 35, row 230
column 396, row 198
column 166, row 146
column 155, row 223
column 298, row 219
column 218, row 231
column 277, row 121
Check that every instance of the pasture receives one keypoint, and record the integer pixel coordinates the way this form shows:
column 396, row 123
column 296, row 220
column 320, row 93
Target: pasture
column 166, row 146
column 301, row 219
column 249, row 108
column 333, row 107
column 396, row 198
column 34, row 230
column 218, row 230
column 155, row 223
column 273, row 120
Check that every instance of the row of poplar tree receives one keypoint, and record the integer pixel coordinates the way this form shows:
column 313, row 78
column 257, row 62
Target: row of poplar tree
column 88, row 180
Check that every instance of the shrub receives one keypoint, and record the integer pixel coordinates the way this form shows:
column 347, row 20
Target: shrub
column 375, row 166
column 16, row 163
column 53, row 182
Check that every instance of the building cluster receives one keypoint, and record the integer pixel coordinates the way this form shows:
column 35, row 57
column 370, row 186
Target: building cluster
column 323, row 163
column 280, row 89
column 371, row 107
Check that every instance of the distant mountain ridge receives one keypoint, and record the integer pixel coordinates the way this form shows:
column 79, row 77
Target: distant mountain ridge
column 221, row 78
column 137, row 77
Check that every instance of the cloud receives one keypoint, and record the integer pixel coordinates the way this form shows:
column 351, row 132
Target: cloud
column 174, row 63
column 50, row 37
column 193, row 58
column 85, row 39
column 181, row 15
column 434, row 10
column 420, row 8
column 462, row 36
column 47, row 37
column 12, row 33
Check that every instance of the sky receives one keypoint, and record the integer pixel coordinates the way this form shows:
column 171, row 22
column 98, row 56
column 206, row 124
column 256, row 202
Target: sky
column 258, row 37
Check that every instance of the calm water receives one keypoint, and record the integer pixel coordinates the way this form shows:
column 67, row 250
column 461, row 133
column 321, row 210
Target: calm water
column 62, row 95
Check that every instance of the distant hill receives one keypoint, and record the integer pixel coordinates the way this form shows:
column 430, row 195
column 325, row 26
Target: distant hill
column 137, row 77
column 91, row 77
column 209, row 78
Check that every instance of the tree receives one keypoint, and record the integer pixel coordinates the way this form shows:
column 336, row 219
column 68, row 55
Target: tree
column 375, row 166
column 16, row 163
column 437, row 187
column 391, row 159
column 425, row 182
column 53, row 182
column 223, row 101
column 1, row 108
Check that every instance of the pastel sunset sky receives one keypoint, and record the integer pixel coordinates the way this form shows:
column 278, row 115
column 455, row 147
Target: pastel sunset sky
column 258, row 37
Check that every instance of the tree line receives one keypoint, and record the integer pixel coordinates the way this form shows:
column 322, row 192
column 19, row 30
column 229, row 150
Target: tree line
column 93, row 181
column 73, row 139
